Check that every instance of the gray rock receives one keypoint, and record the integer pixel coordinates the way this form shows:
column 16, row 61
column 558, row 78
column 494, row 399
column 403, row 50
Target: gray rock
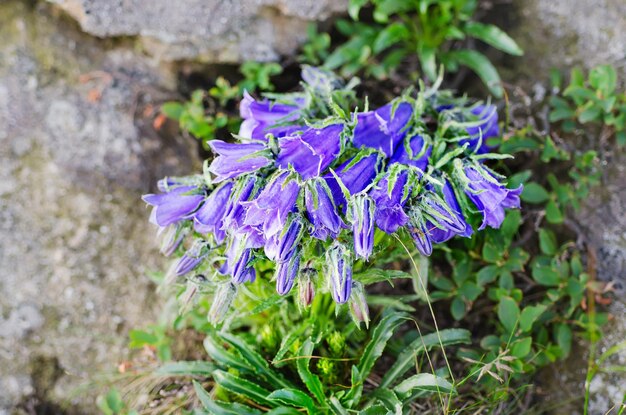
column 562, row 34
column 77, row 150
column 206, row 30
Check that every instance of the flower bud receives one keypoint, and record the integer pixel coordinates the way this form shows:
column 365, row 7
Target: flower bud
column 222, row 300
column 171, row 237
column 358, row 305
column 339, row 268
column 286, row 274
column 306, row 287
column 420, row 233
column 282, row 246
column 361, row 214
column 192, row 258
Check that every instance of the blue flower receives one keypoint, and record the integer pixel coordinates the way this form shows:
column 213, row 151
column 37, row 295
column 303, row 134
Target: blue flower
column 490, row 197
column 268, row 212
column 488, row 128
column 235, row 159
column 412, row 153
column 234, row 211
column 173, row 206
column 321, row 210
column 208, row 219
column 356, row 174
column 261, row 118
column 361, row 213
column 192, row 258
column 390, row 214
column 282, row 246
column 311, row 152
column 439, row 235
column 286, row 274
column 339, row 268
column 380, row 130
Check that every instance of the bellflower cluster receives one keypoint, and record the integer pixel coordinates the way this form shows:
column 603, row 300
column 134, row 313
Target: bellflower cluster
column 310, row 178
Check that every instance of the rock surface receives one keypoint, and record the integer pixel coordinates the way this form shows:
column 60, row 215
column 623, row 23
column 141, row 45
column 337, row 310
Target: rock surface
column 77, row 150
column 562, row 34
column 206, row 30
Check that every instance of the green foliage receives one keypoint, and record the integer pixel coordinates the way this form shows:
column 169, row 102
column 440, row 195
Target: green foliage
column 112, row 404
column 593, row 101
column 434, row 31
column 205, row 114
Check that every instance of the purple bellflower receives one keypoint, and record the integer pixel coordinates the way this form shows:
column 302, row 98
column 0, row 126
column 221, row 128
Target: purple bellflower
column 356, row 174
column 173, row 206
column 321, row 210
column 208, row 219
column 361, row 211
column 234, row 211
column 490, row 197
column 261, row 118
column 235, row 159
column 380, row 129
column 339, row 268
column 268, row 212
column 171, row 237
column 192, row 258
column 438, row 235
column 412, row 153
column 286, row 274
column 390, row 214
column 488, row 128
column 282, row 246
column 311, row 152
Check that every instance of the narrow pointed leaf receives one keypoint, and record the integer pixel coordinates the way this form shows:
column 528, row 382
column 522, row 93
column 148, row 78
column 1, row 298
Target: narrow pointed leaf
column 243, row 387
column 221, row 408
column 312, row 381
column 425, row 382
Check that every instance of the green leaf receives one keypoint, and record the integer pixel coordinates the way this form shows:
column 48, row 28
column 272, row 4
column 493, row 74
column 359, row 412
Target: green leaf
column 426, row 56
column 373, row 275
column 470, row 290
column 547, row 241
column 534, row 193
column 223, row 357
column 564, row 338
column 389, row 36
column 545, row 274
column 521, row 348
column 406, row 359
column 425, row 382
column 553, row 213
column 221, row 408
column 603, row 78
column 138, row 338
column 389, row 399
column 256, row 361
column 591, row 113
column 480, row 64
column 182, row 368
column 529, row 315
column 354, row 8
column 242, row 387
column 493, row 36
column 457, row 308
column 293, row 397
column 336, row 406
column 487, row 274
column 312, row 382
column 284, row 410
column 172, row 110
column 508, row 313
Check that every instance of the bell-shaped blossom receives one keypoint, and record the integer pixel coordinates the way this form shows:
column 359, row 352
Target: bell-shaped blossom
column 321, row 210
column 282, row 246
column 235, row 159
column 339, row 271
column 173, row 206
column 488, row 128
column 311, row 152
column 490, row 197
column 268, row 212
column 208, row 219
column 422, row 239
column 234, row 211
column 381, row 129
column 266, row 117
column 286, row 274
column 439, row 235
column 412, row 153
column 355, row 174
column 361, row 213
column 192, row 258
column 390, row 214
